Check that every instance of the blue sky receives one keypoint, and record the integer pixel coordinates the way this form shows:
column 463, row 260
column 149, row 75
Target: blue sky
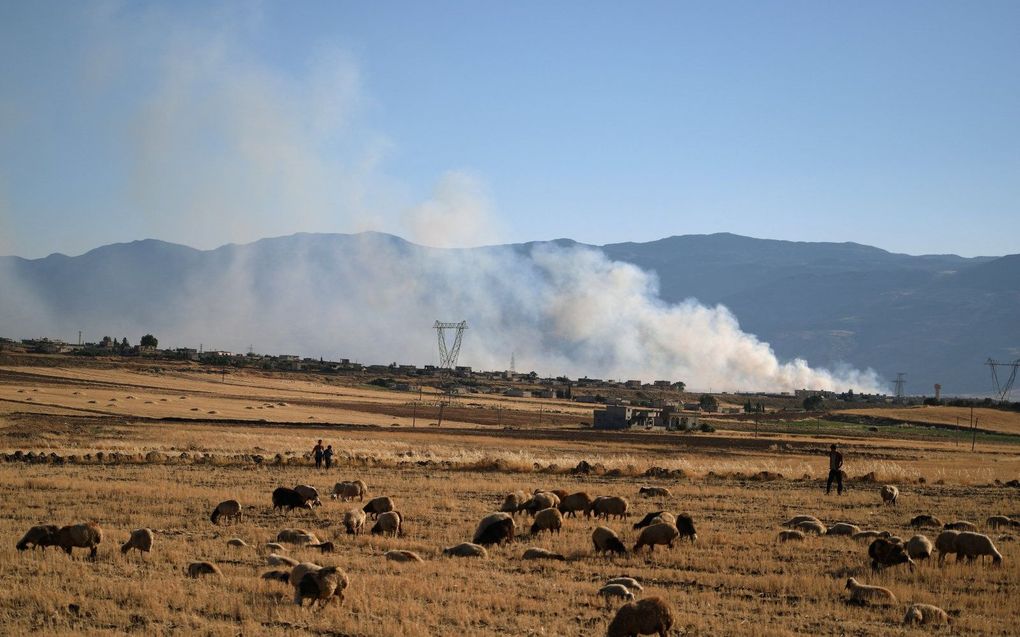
column 893, row 124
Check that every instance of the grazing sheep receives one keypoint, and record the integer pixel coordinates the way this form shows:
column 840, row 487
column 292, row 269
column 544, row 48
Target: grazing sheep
column 926, row 521
column 228, row 510
column 791, row 536
column 141, row 539
column 945, row 544
column 611, row 506
column 466, row 549
column 274, row 559
column 797, row 519
column 973, row 545
column 535, row 553
column 661, row 533
column 616, row 590
column 85, row 536
column 575, row 502
column 919, row 547
column 924, row 614
column 197, row 569
column 559, row 493
column 960, row 525
column 862, row 593
column 40, row 536
column 866, row 535
column 319, row 584
column 354, row 521
column 649, row 616
column 885, row 553
column 296, row 536
column 388, row 523
column 606, row 541
column 997, row 521
column 654, row 518
column 547, row 520
column 309, row 493
column 277, row 576
column 629, row 582
column 889, row 494
column 289, row 499
column 811, row 526
column 685, row 525
column 494, row 528
column 842, row 528
column 655, row 492
column 323, row 547
column 274, row 547
column 539, row 501
column 376, row 506
column 236, row 542
column 347, row 491
column 514, row 502
column 403, row 556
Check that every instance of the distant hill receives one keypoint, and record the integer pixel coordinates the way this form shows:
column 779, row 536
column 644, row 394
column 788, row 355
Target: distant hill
column 934, row 317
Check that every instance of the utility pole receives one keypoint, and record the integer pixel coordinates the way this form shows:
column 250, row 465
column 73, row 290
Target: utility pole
column 414, row 415
column 973, row 441
column 441, row 405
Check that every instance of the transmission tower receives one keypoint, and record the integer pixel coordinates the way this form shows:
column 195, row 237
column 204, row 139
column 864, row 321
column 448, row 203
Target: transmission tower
column 1002, row 389
column 899, row 383
column 513, row 362
column 448, row 355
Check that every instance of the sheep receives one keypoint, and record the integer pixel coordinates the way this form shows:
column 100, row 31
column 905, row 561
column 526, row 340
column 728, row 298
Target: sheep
column 375, row 506
column 296, row 536
column 388, row 523
column 922, row 614
column 655, row 492
column 319, row 584
column 926, row 521
column 629, row 582
column 791, row 536
column 140, row 539
column 494, row 528
column 885, row 553
column 322, row 547
column 289, row 499
column 889, row 494
column 610, row 506
column 274, row 559
column 274, row 547
column 465, row 549
column 811, row 526
column 277, row 576
column 40, row 536
column 547, row 520
column 236, row 542
column 513, row 502
column 347, row 491
column 959, row 525
column 648, row 616
column 575, row 502
column 403, row 556
column 919, row 547
column 85, row 536
column 945, row 544
column 606, row 541
column 870, row 534
column 197, row 569
column 661, row 533
column 616, row 590
column 997, row 521
column 539, row 501
column 309, row 493
column 228, row 510
column 797, row 519
column 685, row 525
column 972, row 545
column 654, row 518
column 862, row 593
column 842, row 528
column 354, row 521
column 535, row 553
column 559, row 493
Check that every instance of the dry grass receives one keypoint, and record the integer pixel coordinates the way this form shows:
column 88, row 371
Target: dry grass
column 989, row 419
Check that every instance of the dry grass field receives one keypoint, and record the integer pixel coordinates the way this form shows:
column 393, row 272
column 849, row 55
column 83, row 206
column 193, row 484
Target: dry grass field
column 990, row 419
column 736, row 580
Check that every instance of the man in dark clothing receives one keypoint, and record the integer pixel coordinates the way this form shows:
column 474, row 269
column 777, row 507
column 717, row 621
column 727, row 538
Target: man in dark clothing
column 317, row 450
column 327, row 455
column 835, row 471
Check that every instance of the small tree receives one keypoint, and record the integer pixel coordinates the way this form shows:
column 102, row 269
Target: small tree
column 814, row 403
column 149, row 341
column 708, row 402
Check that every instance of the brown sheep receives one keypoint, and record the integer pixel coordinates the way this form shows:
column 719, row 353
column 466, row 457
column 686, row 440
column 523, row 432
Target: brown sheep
column 389, row 523
column 973, row 545
column 494, row 528
column 536, row 553
column 140, row 539
column 514, row 502
column 797, row 519
column 403, row 556
column 655, row 492
column 842, row 528
column 85, row 536
column 354, row 521
column 649, row 616
column 960, row 525
column 228, row 510
column 791, row 536
column 319, row 584
column 945, row 544
column 925, row 521
column 862, row 593
column 539, row 501
column 662, row 533
column 377, row 506
column 575, row 502
column 685, row 525
column 466, row 549
column 197, row 569
column 654, row 518
column 889, row 494
column 919, row 547
column 607, row 541
column 40, row 536
column 811, row 526
column 547, row 520
column 886, row 553
column 606, row 507
column 997, row 521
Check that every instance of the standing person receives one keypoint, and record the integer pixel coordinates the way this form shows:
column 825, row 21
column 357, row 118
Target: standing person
column 835, row 471
column 327, row 455
column 317, row 450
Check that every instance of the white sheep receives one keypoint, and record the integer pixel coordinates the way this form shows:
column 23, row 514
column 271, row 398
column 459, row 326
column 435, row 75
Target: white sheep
column 465, row 549
column 389, row 523
column 141, row 539
column 309, row 493
column 797, row 519
column 919, row 547
column 514, row 502
column 629, row 582
column 843, row 528
column 297, row 536
column 997, row 521
column 354, row 521
column 925, row 614
column 973, row 545
column 811, row 526
column 274, row 559
column 197, row 569
column 403, row 556
column 236, row 542
column 536, row 553
column 960, row 525
column 347, row 491
column 889, row 494
column 616, row 590
column 791, row 536
column 862, row 593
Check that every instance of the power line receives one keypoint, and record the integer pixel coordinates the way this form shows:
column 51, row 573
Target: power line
column 448, row 355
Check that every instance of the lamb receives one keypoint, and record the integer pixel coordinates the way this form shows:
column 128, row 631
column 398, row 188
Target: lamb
column 494, row 528
column 791, row 536
column 39, row 536
column 960, row 525
column 547, row 520
column 811, row 526
column 629, row 582
column 606, row 541
column 997, row 521
column 926, row 521
column 140, row 539
column 685, row 525
column 465, row 549
column 842, row 528
column 616, row 590
column 862, row 593
column 661, row 533
column 403, row 556
column 197, row 569
column 85, row 536
column 228, row 510
column 610, row 506
column 274, row 559
column 973, row 545
column 388, row 523
column 319, row 584
column 309, row 493
column 919, row 547
column 655, row 492
column 885, row 553
column 945, row 544
column 654, row 518
column 513, row 502
column 648, row 616
column 296, row 536
column 575, row 502
column 923, row 614
column 889, row 494
column 797, row 519
column 539, row 501
column 354, row 521
column 379, row 505
column 347, row 491
column 289, row 499
column 535, row 553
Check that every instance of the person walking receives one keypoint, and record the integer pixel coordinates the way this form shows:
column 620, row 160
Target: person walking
column 327, row 456
column 835, row 471
column 317, row 450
